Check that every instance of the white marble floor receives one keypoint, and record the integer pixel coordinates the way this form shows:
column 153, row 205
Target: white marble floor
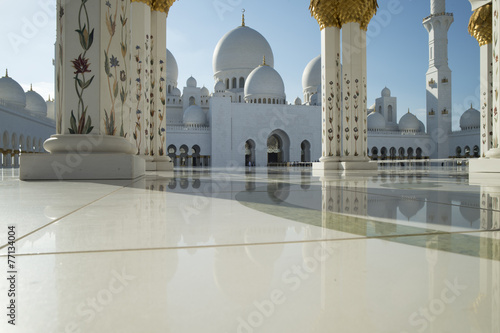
column 253, row 250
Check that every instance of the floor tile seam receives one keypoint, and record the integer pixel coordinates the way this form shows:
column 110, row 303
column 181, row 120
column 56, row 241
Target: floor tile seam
column 62, row 217
column 169, row 248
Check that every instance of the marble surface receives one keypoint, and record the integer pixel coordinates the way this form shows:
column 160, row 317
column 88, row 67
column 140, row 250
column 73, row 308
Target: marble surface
column 254, row 250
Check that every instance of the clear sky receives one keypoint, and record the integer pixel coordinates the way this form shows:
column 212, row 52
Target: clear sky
column 397, row 46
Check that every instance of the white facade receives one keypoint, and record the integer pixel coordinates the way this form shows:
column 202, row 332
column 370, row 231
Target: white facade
column 249, row 121
column 27, row 120
column 247, row 118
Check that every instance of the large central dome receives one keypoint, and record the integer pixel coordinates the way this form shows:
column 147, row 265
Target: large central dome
column 241, row 48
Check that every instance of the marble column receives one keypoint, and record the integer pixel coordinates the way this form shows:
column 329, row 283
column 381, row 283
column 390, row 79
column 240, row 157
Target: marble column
column 140, row 78
column 483, row 25
column 486, row 70
column 109, row 109
column 158, row 92
column 344, row 136
column 354, row 133
column 92, row 57
column 332, row 98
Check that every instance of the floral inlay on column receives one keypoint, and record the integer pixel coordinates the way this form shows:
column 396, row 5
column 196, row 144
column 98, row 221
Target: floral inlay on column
column 161, row 111
column 59, row 67
column 81, row 66
column 152, row 110
column 138, row 126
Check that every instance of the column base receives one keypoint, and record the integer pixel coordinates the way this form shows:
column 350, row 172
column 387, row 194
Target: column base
column 327, row 163
column 365, row 165
column 74, row 166
column 493, row 153
column 161, row 165
column 322, row 168
column 484, row 169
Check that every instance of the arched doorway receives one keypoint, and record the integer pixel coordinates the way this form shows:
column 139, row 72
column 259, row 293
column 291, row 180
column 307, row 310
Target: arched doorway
column 419, row 153
column 392, row 152
column 183, row 155
column 172, row 150
column 274, row 152
column 305, row 151
column 278, row 147
column 383, row 153
column 249, row 153
column 195, row 154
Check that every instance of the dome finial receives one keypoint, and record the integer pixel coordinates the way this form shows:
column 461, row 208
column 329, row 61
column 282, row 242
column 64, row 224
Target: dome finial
column 264, row 61
column 6, row 72
column 408, row 110
column 243, row 17
column 471, row 105
column 31, row 86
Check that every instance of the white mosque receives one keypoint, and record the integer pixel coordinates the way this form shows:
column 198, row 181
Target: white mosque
column 248, row 120
column 26, row 121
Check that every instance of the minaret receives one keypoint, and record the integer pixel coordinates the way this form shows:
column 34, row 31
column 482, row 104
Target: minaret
column 438, row 79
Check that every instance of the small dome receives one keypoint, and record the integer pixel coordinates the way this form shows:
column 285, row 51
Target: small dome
column 205, row 92
column 241, row 48
column 194, row 116
column 35, row 103
column 12, row 92
column 386, row 92
column 409, row 123
column 172, row 68
column 312, row 73
column 470, row 119
column 422, row 127
column 265, row 81
column 191, row 82
column 371, row 108
column 220, row 87
column 298, row 101
column 376, row 122
column 176, row 92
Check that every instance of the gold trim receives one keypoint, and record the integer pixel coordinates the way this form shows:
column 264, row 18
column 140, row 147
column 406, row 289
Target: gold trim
column 480, row 24
column 336, row 13
column 158, row 5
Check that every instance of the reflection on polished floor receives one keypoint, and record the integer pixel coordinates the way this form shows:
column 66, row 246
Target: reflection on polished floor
column 255, row 250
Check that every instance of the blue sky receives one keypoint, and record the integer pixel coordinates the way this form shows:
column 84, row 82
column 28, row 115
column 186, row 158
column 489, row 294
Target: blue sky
column 397, row 47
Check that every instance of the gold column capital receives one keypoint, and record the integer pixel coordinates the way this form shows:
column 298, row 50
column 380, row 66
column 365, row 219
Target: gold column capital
column 336, row 13
column 481, row 24
column 158, row 5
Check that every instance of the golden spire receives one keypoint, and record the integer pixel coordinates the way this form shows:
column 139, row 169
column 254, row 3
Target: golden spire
column 408, row 110
column 6, row 72
column 243, row 17
column 31, row 86
column 264, row 61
